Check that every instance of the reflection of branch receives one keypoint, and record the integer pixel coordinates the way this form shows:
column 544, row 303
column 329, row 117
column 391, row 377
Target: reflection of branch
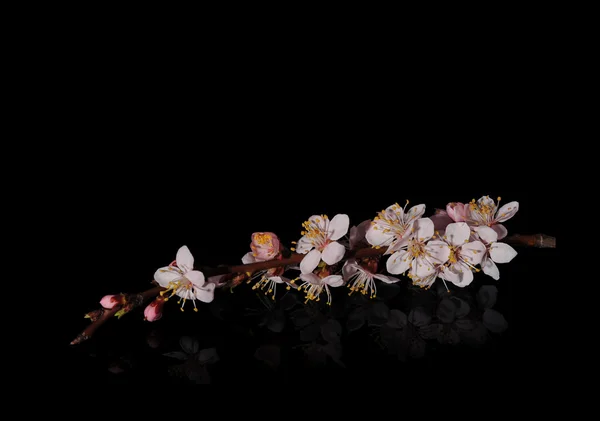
column 135, row 299
column 537, row 240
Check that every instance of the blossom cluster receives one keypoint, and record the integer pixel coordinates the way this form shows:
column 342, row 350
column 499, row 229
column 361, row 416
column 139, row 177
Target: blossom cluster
column 451, row 245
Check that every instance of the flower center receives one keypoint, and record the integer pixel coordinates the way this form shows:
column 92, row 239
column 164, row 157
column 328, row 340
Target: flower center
column 316, row 232
column 416, row 248
column 184, row 289
column 264, row 239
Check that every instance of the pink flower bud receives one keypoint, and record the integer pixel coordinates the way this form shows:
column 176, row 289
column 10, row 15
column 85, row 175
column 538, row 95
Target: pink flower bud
column 153, row 311
column 109, row 301
column 457, row 211
column 265, row 246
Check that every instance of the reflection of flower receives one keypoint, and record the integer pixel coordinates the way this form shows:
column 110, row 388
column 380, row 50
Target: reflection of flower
column 495, row 252
column 319, row 241
column 194, row 360
column 182, row 280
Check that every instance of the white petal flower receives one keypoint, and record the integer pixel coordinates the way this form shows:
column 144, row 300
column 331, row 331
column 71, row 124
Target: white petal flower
column 485, row 212
column 495, row 252
column 360, row 279
column 464, row 255
column 420, row 257
column 313, row 285
column 393, row 225
column 182, row 280
column 319, row 241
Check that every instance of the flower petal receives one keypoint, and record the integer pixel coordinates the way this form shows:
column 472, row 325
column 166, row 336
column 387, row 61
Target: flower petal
column 310, row 261
column 311, row 278
column 276, row 279
column 507, row 211
column 421, row 268
column 165, row 275
column 414, row 213
column 195, row 277
column 349, row 269
column 184, row 259
column 357, row 234
column 500, row 230
column 487, row 234
column 459, row 274
column 473, row 252
column 304, row 245
column 438, row 252
column 319, row 221
column 457, row 233
column 248, row 258
column 441, row 220
column 399, row 244
column 399, row 262
column 338, row 226
column 206, row 293
column 502, row 252
column 424, row 229
column 333, row 253
column 386, row 279
column 333, row 280
column 489, row 268
column 376, row 237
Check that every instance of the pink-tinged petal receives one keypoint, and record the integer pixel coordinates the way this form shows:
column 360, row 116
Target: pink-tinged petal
column 311, row 278
column 459, row 274
column 195, row 277
column 441, row 221
column 304, row 245
column 376, row 237
column 457, row 211
column 423, row 229
column 248, row 258
column 310, row 261
column 357, row 234
column 502, row 253
column 507, row 211
column 217, row 280
column 319, row 221
column 165, row 275
column 333, row 280
column 350, row 268
column 500, row 230
column 265, row 245
column 386, row 279
column 398, row 244
column 421, row 268
column 395, row 212
column 486, row 201
column 486, row 234
column 399, row 262
column 276, row 279
column 109, row 301
column 185, row 260
column 489, row 268
column 414, row 213
column 333, row 253
column 457, row 233
column 206, row 293
column 338, row 226
column 438, row 252
column 473, row 252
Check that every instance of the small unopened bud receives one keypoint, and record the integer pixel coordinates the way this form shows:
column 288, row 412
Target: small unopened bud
column 153, row 311
column 109, row 301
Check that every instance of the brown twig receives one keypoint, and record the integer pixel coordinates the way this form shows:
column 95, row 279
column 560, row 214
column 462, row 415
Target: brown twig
column 135, row 299
column 535, row 240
